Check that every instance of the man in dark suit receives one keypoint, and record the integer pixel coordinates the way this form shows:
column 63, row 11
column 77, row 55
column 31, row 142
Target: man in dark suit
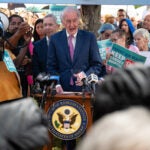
column 86, row 58
column 71, row 54
column 39, row 59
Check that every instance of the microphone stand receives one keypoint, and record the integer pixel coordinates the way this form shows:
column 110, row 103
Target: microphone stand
column 53, row 91
column 44, row 96
column 83, row 93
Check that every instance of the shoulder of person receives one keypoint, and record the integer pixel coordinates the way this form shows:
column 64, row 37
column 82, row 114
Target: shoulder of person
column 58, row 34
column 39, row 42
column 133, row 48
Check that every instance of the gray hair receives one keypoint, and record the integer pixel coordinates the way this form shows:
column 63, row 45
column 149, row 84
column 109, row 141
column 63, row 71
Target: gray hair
column 51, row 16
column 67, row 10
column 122, row 130
column 143, row 32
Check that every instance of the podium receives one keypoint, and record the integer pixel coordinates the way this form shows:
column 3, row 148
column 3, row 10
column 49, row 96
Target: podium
column 84, row 100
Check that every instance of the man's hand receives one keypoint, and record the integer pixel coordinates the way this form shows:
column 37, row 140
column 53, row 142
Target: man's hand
column 80, row 76
column 59, row 89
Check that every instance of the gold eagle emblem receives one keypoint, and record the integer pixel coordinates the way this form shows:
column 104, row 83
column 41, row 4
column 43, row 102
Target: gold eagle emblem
column 66, row 120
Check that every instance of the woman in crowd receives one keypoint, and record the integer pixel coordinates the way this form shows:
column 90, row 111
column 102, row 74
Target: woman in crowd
column 142, row 38
column 105, row 31
column 38, row 32
column 110, row 19
column 118, row 36
column 127, row 26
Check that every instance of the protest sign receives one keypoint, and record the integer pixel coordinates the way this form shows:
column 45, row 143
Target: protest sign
column 104, row 47
column 123, row 57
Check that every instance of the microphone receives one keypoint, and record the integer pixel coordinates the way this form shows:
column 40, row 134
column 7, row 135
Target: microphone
column 43, row 78
column 54, row 80
column 92, row 80
column 82, row 76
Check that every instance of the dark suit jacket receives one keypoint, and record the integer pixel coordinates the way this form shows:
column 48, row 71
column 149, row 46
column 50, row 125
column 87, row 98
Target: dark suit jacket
column 39, row 58
column 86, row 57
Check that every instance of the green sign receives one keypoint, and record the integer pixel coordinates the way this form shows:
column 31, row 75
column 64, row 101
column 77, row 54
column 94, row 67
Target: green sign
column 104, row 47
column 123, row 57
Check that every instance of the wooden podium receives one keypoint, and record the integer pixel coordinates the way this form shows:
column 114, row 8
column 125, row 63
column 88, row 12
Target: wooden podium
column 84, row 100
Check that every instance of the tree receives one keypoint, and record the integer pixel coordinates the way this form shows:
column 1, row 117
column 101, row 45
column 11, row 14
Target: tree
column 90, row 15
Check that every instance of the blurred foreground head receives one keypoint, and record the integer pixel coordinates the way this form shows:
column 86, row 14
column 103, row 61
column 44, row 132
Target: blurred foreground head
column 123, row 89
column 123, row 130
column 23, row 125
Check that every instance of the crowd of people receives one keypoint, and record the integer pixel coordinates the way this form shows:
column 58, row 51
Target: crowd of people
column 73, row 54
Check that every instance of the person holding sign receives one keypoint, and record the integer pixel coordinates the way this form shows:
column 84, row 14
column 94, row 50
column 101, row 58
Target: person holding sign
column 10, row 86
column 119, row 38
column 105, row 31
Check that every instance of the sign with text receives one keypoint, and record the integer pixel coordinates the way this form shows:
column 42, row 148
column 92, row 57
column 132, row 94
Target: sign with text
column 104, row 47
column 123, row 57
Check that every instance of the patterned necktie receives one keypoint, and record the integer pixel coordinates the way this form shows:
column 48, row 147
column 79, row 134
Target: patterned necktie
column 71, row 48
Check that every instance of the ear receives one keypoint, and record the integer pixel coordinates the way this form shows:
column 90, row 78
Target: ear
column 63, row 22
column 146, row 40
column 58, row 26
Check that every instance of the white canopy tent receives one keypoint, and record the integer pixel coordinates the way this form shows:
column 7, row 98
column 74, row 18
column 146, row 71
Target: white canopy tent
column 86, row 2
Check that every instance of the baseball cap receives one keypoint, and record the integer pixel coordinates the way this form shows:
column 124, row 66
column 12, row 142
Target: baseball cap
column 106, row 26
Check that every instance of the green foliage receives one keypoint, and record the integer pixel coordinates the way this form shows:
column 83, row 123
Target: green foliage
column 137, row 6
column 34, row 9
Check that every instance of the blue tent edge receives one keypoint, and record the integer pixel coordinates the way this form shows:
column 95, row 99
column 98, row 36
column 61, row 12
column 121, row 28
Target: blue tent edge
column 85, row 2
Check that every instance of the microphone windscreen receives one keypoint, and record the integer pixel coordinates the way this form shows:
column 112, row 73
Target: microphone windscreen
column 42, row 77
column 4, row 21
column 54, row 77
column 92, row 78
